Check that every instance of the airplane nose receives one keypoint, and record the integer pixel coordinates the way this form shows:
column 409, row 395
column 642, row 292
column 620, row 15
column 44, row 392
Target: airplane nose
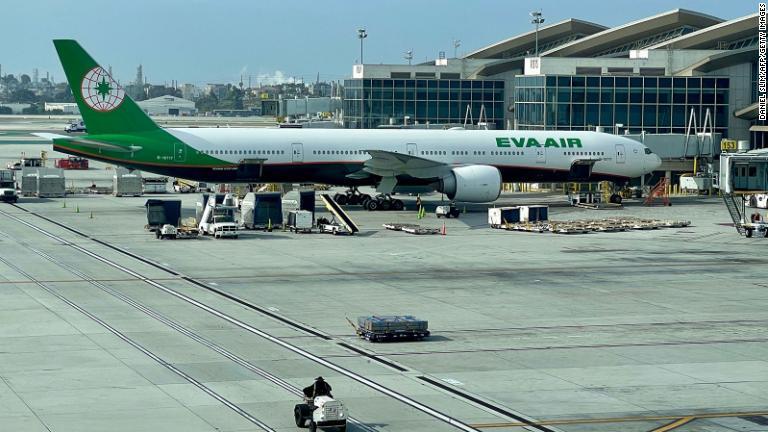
column 652, row 163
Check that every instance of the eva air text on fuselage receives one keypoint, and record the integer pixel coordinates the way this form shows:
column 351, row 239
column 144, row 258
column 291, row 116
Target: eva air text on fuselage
column 533, row 142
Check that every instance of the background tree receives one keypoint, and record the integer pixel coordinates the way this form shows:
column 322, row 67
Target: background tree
column 206, row 103
column 23, row 96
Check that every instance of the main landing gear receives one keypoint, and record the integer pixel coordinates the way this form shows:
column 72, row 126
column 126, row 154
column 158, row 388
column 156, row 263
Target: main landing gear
column 379, row 202
column 351, row 197
column 383, row 202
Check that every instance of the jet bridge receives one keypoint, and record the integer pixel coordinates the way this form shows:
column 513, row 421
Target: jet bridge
column 742, row 174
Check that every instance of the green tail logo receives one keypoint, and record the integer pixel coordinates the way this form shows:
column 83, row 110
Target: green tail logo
column 105, row 107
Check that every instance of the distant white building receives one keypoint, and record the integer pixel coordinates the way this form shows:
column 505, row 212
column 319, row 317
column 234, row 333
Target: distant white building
column 168, row 105
column 64, row 107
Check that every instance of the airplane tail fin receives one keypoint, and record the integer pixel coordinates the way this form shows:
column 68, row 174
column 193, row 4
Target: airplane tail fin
column 105, row 107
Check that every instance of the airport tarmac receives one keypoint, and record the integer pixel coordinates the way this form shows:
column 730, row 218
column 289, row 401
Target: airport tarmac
column 103, row 327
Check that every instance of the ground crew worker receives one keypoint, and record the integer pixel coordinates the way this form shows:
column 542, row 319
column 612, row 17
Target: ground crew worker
column 321, row 388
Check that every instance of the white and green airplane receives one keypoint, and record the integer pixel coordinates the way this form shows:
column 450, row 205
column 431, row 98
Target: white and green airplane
column 466, row 165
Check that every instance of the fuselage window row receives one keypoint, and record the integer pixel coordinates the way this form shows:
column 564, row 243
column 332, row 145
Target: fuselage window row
column 242, row 152
column 356, row 152
column 336, row 152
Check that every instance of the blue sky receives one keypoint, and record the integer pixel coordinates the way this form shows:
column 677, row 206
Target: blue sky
column 202, row 41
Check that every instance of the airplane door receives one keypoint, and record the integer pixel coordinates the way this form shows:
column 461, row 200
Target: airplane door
column 411, row 149
column 541, row 155
column 297, row 152
column 621, row 154
column 179, row 152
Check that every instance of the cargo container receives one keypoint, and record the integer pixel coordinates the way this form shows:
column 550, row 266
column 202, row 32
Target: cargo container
column 307, row 201
column 300, row 221
column 162, row 212
column 534, row 213
column 500, row 216
column 50, row 183
column 261, row 210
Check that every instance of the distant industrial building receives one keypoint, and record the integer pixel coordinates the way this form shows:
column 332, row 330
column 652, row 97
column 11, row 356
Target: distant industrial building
column 62, row 108
column 168, row 105
column 646, row 76
column 218, row 90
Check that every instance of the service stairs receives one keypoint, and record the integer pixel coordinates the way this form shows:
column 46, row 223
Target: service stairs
column 735, row 209
column 339, row 213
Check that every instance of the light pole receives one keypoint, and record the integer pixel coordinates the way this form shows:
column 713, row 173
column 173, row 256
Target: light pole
column 409, row 56
column 362, row 35
column 456, row 45
column 537, row 20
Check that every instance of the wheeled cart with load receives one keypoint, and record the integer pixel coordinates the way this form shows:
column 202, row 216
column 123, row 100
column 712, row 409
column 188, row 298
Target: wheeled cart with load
column 389, row 328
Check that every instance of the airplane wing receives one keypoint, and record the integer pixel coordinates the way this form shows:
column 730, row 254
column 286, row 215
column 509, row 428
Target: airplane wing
column 85, row 142
column 391, row 164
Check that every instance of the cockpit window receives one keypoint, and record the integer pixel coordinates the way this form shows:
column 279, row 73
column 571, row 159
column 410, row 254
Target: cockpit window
column 648, row 151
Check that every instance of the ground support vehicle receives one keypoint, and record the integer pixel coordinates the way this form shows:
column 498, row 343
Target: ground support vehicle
column 447, row 211
column 322, row 412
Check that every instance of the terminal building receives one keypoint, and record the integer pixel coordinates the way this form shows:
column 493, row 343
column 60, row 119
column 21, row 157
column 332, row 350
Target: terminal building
column 643, row 77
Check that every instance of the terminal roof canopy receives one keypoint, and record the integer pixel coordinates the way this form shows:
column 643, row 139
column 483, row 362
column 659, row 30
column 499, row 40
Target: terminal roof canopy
column 733, row 34
column 639, row 34
column 549, row 37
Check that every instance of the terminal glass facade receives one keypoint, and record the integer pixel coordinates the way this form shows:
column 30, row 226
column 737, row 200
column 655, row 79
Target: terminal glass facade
column 654, row 104
column 369, row 103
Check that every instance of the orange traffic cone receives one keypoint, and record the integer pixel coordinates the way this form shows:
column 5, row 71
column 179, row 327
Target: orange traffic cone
column 443, row 233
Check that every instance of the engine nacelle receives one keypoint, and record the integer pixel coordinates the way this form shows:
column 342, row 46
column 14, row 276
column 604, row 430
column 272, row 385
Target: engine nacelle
column 473, row 183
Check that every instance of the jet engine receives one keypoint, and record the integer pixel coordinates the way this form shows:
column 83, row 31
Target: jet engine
column 473, row 183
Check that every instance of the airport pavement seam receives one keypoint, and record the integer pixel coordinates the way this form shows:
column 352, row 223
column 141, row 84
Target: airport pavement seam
column 183, row 330
column 245, row 326
column 234, row 407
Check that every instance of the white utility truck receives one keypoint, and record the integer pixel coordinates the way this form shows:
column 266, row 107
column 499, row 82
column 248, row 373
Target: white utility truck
column 7, row 187
column 218, row 220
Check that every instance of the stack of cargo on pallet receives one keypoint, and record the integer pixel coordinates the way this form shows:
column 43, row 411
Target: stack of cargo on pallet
column 28, row 183
column 155, row 185
column 127, row 183
column 42, row 182
column 50, row 183
column 394, row 327
column 596, row 225
column 411, row 228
